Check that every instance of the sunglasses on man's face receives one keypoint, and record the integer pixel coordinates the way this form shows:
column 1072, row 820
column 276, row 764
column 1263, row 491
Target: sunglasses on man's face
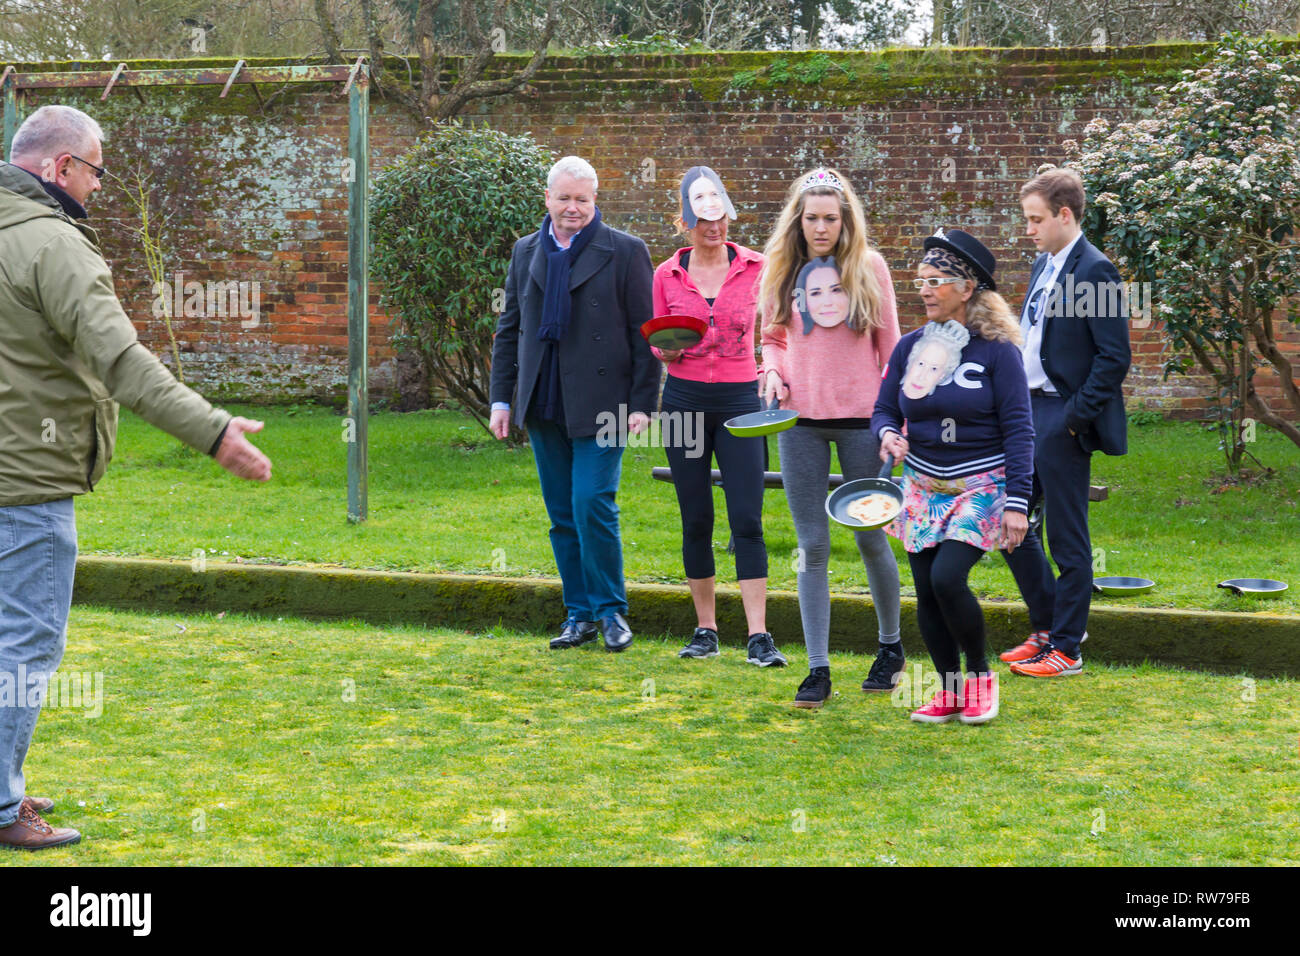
column 933, row 282
column 99, row 170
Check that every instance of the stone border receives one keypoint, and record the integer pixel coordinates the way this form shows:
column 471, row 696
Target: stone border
column 1261, row 644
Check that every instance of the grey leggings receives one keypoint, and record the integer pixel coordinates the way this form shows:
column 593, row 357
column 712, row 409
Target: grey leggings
column 805, row 466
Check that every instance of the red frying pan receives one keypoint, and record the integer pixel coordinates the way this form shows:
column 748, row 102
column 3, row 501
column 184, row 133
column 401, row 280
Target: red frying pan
column 673, row 332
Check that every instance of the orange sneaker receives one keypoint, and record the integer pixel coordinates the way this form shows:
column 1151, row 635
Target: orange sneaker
column 1049, row 663
column 1031, row 648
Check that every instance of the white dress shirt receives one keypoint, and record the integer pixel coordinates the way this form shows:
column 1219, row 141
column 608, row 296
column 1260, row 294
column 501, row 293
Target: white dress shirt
column 1031, row 332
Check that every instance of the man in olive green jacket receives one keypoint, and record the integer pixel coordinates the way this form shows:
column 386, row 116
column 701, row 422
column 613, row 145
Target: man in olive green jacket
column 68, row 356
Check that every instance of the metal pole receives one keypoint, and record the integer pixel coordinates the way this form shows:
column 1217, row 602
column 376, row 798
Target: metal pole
column 358, row 294
column 358, row 90
column 11, row 114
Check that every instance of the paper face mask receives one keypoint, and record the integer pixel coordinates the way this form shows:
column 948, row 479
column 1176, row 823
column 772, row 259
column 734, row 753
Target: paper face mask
column 934, row 358
column 704, row 197
column 819, row 296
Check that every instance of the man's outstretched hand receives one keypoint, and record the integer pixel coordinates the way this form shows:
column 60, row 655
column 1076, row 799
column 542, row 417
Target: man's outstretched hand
column 237, row 454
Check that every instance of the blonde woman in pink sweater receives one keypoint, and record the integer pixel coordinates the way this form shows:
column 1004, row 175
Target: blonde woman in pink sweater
column 830, row 323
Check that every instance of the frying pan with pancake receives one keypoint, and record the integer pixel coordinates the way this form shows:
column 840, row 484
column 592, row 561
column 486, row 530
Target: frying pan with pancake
column 838, row 501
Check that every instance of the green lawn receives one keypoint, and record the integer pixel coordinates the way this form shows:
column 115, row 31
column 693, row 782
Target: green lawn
column 445, row 497
column 233, row 742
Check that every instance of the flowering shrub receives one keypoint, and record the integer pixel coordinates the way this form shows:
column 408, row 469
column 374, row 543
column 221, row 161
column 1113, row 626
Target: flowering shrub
column 1203, row 201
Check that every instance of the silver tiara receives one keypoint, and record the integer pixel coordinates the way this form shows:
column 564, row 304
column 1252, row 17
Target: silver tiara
column 821, row 177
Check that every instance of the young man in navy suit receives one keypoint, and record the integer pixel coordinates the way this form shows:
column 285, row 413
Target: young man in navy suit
column 1075, row 342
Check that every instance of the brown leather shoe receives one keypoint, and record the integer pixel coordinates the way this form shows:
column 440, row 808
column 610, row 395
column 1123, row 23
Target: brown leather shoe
column 40, row 804
column 30, row 832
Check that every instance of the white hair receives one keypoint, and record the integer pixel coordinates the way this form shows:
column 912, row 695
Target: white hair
column 574, row 166
column 54, row 130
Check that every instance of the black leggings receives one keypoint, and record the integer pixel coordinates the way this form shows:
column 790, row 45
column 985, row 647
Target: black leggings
column 741, row 462
column 950, row 618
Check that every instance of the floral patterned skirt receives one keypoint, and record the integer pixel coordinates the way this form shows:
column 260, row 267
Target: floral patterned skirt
column 965, row 509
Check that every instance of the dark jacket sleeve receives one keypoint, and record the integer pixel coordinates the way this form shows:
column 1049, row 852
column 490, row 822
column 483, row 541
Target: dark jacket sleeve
column 505, row 344
column 1113, row 356
column 638, row 309
column 887, row 416
column 1011, row 397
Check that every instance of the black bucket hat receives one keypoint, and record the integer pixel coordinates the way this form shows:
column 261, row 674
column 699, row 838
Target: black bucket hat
column 970, row 249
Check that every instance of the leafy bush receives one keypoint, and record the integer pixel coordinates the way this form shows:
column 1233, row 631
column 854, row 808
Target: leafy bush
column 1203, row 201
column 1143, row 417
column 443, row 220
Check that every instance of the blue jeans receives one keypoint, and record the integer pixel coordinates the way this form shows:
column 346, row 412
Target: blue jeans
column 38, row 558
column 579, row 480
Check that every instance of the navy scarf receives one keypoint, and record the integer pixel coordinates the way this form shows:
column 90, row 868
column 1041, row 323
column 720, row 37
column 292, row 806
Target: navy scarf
column 557, row 305
column 557, row 308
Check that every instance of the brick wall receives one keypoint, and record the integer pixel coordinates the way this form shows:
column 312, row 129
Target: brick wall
column 927, row 140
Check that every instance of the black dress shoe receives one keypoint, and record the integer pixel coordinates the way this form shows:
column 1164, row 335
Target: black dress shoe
column 575, row 633
column 618, row 636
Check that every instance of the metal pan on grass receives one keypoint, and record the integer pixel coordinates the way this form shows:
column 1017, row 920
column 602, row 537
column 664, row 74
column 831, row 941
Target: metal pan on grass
column 1122, row 587
column 880, row 498
column 1263, row 587
column 767, row 422
column 673, row 332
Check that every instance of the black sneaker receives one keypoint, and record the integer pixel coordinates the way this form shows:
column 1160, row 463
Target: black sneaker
column 815, row 689
column 886, row 670
column 763, row 652
column 703, row 643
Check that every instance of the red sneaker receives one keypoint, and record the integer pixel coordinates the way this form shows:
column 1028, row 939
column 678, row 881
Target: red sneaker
column 980, row 703
column 1031, row 648
column 944, row 707
column 1049, row 664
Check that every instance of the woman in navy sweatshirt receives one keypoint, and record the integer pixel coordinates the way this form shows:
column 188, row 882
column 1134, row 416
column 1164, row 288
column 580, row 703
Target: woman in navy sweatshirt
column 958, row 383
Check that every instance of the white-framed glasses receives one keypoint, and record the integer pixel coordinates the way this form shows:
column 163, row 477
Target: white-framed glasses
column 933, row 282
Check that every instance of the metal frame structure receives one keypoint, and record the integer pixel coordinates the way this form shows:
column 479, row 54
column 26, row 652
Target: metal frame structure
column 357, row 86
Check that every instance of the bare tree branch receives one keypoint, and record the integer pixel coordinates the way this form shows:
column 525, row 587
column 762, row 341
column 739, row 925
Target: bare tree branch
column 469, row 86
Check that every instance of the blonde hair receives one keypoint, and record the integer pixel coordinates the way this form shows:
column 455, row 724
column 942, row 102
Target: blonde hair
column 786, row 253
column 988, row 315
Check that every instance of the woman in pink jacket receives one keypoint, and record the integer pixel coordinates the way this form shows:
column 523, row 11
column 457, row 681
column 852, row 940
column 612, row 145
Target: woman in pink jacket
column 829, row 325
column 708, row 383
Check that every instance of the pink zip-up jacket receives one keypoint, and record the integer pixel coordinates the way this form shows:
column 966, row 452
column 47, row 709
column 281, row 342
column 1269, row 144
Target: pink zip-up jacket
column 726, row 353
column 834, row 373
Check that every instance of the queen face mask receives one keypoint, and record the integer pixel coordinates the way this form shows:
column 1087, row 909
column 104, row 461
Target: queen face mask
column 704, row 197
column 819, row 297
column 934, row 358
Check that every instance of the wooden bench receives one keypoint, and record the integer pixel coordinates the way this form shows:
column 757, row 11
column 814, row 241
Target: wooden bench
column 772, row 479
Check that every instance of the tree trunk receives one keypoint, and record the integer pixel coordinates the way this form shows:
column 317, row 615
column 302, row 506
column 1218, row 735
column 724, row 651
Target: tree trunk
column 1266, row 342
column 329, row 33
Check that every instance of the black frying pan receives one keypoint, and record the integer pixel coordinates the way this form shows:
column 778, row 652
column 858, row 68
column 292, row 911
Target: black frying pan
column 838, row 501
column 1264, row 587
